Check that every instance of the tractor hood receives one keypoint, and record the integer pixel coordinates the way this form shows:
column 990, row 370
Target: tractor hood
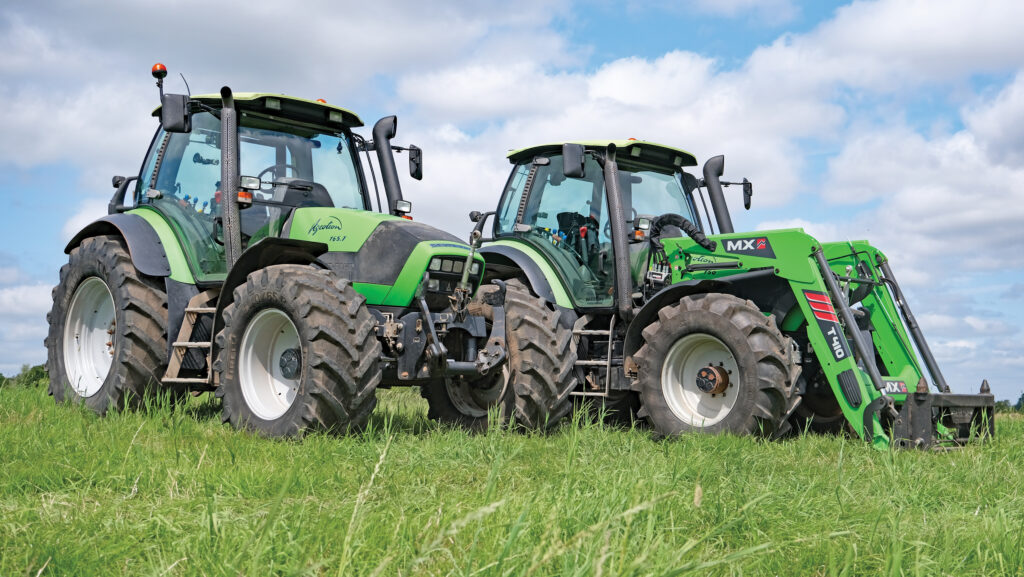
column 384, row 256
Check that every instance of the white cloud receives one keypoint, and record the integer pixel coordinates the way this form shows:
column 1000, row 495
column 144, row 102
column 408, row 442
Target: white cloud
column 823, row 231
column 890, row 45
column 998, row 124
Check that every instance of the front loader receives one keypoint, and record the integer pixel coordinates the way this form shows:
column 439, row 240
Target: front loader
column 745, row 333
column 245, row 258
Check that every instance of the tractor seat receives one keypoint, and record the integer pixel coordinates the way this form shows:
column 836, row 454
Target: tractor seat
column 299, row 192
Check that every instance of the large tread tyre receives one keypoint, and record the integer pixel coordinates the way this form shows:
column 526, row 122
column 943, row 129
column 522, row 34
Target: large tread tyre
column 541, row 358
column 298, row 352
column 743, row 344
column 107, row 343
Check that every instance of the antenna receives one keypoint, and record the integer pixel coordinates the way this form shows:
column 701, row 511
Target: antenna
column 187, row 89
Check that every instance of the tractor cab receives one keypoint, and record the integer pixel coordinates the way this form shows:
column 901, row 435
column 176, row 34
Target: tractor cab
column 291, row 153
column 568, row 219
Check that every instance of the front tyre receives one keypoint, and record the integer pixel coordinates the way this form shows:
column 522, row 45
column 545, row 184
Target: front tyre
column 107, row 343
column 298, row 352
column 714, row 363
column 541, row 358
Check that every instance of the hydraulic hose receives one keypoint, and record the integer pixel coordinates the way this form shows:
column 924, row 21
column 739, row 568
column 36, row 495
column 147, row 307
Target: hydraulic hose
column 623, row 279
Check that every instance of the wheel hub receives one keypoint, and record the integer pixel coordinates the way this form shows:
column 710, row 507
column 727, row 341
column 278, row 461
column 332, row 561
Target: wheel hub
column 696, row 380
column 712, row 380
column 290, row 363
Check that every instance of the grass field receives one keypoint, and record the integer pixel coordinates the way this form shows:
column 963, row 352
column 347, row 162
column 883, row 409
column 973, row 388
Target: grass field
column 175, row 492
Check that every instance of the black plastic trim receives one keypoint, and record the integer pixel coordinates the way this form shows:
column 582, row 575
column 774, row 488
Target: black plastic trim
column 850, row 387
column 538, row 282
column 144, row 244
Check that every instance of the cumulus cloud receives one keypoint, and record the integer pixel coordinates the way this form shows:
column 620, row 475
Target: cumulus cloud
column 892, row 45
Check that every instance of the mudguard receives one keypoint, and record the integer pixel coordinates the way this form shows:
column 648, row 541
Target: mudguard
column 267, row 252
column 768, row 291
column 144, row 245
column 538, row 282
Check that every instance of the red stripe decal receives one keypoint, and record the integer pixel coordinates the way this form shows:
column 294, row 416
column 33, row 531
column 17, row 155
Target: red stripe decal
column 817, row 297
column 821, row 307
column 826, row 316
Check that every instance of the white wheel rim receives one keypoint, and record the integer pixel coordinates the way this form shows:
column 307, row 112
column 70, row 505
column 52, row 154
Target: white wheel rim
column 679, row 380
column 474, row 401
column 267, row 391
column 89, row 337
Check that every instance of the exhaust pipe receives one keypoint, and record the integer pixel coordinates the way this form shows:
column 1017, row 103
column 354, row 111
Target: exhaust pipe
column 383, row 132
column 229, row 177
column 714, row 168
column 623, row 282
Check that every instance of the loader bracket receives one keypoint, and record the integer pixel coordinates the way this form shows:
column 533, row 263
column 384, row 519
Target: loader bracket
column 924, row 417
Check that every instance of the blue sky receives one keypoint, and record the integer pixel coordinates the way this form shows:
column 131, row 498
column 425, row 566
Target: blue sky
column 900, row 121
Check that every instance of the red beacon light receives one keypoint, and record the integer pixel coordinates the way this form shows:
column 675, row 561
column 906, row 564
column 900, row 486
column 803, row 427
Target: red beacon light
column 321, row 101
column 159, row 71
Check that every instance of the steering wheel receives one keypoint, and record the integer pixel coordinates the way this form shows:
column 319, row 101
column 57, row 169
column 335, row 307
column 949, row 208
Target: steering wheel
column 278, row 165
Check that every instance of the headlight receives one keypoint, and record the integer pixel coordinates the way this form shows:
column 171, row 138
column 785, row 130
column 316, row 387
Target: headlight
column 435, row 264
column 475, row 269
column 433, row 284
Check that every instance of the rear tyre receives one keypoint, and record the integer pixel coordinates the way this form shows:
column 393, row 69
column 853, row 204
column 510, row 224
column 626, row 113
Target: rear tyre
column 107, row 344
column 298, row 352
column 541, row 358
column 714, row 363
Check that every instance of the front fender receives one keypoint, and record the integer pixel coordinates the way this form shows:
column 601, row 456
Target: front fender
column 144, row 245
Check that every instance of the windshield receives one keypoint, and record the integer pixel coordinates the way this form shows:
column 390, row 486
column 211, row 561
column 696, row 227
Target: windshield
column 567, row 219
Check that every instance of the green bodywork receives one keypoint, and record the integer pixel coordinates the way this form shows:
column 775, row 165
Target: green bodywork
column 794, row 262
column 346, row 230
column 342, row 230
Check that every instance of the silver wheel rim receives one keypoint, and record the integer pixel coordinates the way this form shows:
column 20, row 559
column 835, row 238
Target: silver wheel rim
column 475, row 401
column 267, row 391
column 679, row 380
column 89, row 337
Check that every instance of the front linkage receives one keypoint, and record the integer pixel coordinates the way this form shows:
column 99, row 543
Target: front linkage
column 922, row 419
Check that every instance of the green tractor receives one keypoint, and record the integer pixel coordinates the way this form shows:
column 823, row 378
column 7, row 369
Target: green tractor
column 245, row 258
column 745, row 333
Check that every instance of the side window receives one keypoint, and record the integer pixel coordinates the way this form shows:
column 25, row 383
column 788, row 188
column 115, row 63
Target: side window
column 148, row 167
column 506, row 217
column 188, row 179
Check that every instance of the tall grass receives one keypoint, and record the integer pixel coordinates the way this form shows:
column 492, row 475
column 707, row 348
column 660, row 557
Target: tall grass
column 174, row 492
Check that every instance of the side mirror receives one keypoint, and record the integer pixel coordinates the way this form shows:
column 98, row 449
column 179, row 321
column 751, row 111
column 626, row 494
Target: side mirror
column 573, row 160
column 748, row 191
column 415, row 162
column 174, row 116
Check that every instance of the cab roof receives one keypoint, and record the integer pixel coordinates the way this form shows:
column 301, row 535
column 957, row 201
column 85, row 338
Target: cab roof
column 310, row 111
column 641, row 150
